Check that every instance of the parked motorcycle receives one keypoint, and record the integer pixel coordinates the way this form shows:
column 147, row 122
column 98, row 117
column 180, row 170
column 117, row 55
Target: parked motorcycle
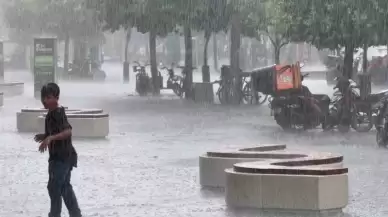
column 348, row 109
column 381, row 121
column 294, row 111
column 174, row 82
column 143, row 80
column 342, row 108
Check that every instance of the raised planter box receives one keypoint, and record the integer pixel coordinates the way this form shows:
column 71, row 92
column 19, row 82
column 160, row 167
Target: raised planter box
column 313, row 183
column 203, row 92
column 27, row 119
column 212, row 165
column 12, row 89
column 85, row 125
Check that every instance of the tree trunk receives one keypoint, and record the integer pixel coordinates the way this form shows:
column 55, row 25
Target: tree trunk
column 188, row 70
column 277, row 49
column 205, row 48
column 76, row 52
column 66, row 55
column 127, row 39
column 154, row 67
column 215, row 51
column 126, row 58
column 365, row 59
column 348, row 61
column 147, row 46
column 235, row 35
column 364, row 77
column 205, row 67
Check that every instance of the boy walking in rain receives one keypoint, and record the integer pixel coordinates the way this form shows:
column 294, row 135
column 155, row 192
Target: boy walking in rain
column 62, row 155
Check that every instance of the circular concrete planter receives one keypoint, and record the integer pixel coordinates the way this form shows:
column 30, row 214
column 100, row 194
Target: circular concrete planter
column 212, row 165
column 27, row 118
column 85, row 125
column 313, row 183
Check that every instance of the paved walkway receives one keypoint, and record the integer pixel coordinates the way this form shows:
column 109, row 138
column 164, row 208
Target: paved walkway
column 149, row 164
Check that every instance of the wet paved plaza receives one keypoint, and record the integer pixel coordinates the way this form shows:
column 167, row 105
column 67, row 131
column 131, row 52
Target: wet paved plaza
column 148, row 166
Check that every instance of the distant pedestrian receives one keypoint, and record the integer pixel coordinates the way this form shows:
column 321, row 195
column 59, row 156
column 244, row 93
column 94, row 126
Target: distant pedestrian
column 62, row 155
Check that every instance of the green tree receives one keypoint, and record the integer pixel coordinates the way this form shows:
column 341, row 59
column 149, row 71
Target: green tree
column 185, row 12
column 348, row 24
column 63, row 18
column 148, row 16
column 213, row 17
column 266, row 18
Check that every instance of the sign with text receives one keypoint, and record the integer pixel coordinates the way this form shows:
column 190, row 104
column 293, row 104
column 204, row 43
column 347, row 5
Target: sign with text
column 45, row 53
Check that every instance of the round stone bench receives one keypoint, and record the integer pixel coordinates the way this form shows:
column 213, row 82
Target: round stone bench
column 12, row 89
column 212, row 165
column 27, row 118
column 314, row 183
column 1, row 99
column 85, row 125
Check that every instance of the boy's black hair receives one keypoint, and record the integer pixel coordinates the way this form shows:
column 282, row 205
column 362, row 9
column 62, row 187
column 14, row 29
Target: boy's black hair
column 50, row 89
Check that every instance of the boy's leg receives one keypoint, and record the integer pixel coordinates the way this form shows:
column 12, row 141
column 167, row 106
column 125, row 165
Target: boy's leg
column 57, row 175
column 69, row 197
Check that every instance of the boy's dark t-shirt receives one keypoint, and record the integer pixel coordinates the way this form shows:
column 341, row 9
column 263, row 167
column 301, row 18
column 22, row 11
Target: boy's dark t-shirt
column 63, row 150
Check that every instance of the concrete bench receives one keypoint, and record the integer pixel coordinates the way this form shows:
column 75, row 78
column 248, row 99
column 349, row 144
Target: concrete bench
column 212, row 165
column 84, row 125
column 12, row 89
column 291, row 182
column 27, row 118
column 1, row 99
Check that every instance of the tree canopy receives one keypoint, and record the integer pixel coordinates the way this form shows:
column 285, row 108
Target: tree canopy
column 59, row 18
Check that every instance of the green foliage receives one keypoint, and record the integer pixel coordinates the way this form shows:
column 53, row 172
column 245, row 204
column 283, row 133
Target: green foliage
column 145, row 15
column 60, row 18
column 333, row 24
column 266, row 18
column 212, row 16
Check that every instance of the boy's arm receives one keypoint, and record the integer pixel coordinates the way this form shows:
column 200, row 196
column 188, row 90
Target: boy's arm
column 64, row 126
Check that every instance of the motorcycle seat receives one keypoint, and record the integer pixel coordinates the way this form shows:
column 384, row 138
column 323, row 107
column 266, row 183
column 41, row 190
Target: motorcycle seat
column 375, row 97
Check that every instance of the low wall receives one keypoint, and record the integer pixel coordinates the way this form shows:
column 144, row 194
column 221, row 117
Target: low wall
column 12, row 89
column 203, row 93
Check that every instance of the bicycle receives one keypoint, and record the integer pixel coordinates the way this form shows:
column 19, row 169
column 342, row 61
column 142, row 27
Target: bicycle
column 226, row 91
column 249, row 96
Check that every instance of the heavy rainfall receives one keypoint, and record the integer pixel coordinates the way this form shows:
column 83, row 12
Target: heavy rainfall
column 152, row 85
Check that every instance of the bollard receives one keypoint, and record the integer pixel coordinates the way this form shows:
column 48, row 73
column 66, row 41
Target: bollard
column 1, row 61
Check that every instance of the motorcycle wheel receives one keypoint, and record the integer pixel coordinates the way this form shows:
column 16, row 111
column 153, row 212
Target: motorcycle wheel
column 381, row 137
column 177, row 90
column 362, row 129
column 281, row 120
